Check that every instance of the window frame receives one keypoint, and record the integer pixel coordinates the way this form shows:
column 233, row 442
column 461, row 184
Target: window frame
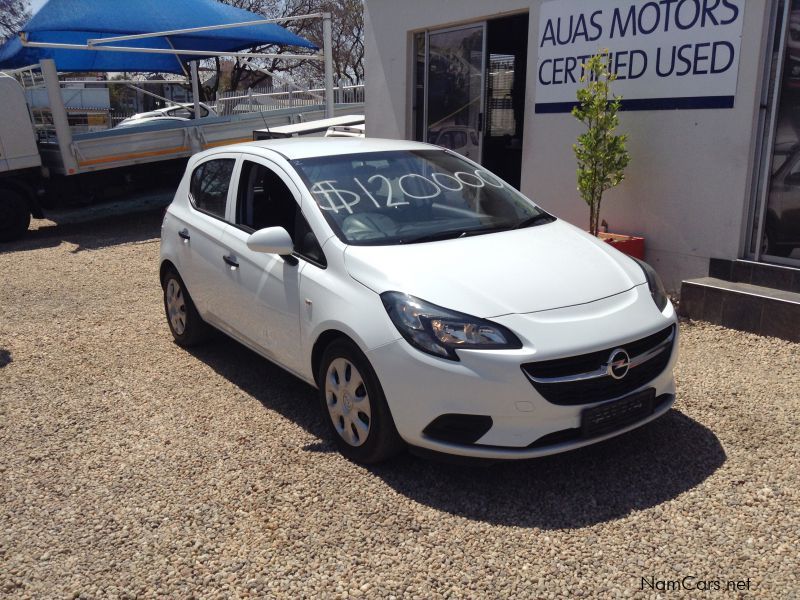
column 233, row 202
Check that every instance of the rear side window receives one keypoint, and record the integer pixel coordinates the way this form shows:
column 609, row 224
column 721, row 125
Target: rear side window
column 209, row 186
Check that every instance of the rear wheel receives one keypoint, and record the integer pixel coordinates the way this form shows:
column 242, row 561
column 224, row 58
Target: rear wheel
column 15, row 215
column 185, row 323
column 354, row 405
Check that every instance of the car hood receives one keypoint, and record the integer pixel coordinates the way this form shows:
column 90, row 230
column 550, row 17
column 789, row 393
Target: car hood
column 527, row 270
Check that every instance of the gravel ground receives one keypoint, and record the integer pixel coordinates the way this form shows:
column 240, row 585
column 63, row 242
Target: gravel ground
column 132, row 468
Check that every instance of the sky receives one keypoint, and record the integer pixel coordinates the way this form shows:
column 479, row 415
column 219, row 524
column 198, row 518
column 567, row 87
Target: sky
column 36, row 5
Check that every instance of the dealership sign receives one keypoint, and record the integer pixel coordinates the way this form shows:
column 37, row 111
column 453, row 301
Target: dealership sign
column 666, row 53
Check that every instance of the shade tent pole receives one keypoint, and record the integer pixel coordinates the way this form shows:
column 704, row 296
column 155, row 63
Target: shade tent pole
column 195, row 90
column 327, row 45
column 141, row 36
column 101, row 45
column 178, row 58
column 203, row 53
column 59, row 114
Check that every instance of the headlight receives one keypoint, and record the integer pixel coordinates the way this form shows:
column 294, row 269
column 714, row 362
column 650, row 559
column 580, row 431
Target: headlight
column 654, row 283
column 440, row 331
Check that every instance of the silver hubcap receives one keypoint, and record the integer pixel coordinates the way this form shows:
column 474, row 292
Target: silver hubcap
column 348, row 401
column 176, row 307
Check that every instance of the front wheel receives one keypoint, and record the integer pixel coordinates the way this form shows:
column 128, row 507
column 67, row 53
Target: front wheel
column 355, row 406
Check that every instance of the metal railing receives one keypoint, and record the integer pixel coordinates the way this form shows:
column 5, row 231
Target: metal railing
column 264, row 99
column 253, row 100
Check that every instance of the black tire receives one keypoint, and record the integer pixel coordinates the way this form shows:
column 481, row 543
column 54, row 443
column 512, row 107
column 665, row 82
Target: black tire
column 382, row 441
column 190, row 329
column 15, row 215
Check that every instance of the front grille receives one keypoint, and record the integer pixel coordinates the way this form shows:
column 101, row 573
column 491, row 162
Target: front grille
column 605, row 387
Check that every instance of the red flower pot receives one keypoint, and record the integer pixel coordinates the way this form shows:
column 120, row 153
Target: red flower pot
column 628, row 244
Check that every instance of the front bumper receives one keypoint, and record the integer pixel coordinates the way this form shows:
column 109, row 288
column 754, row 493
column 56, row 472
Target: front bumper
column 419, row 387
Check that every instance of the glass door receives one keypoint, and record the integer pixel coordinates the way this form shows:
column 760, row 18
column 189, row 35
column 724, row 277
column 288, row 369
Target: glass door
column 453, row 111
column 776, row 230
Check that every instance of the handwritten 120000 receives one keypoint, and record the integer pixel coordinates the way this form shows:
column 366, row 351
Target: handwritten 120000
column 333, row 198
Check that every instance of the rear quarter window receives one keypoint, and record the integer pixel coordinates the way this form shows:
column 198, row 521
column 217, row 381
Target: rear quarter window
column 208, row 188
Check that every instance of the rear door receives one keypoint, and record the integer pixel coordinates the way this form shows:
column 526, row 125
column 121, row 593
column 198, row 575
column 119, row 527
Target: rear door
column 200, row 251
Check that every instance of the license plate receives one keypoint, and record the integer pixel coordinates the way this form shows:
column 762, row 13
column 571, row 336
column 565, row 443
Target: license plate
column 617, row 414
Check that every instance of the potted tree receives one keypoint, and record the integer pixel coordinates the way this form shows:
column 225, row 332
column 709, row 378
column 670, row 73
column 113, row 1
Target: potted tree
column 600, row 151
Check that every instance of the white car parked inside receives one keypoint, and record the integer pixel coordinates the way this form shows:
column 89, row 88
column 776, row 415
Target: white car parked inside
column 431, row 303
column 173, row 113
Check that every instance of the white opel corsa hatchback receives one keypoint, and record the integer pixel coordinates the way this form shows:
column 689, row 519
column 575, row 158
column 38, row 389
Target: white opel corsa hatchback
column 431, row 304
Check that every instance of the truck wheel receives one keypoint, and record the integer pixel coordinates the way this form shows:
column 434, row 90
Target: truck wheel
column 15, row 216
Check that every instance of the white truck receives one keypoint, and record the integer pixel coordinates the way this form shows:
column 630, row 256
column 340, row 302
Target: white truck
column 43, row 169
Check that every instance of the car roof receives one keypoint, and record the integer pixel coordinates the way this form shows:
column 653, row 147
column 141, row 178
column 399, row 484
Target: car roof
column 296, row 148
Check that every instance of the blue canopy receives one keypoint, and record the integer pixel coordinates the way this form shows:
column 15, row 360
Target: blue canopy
column 76, row 21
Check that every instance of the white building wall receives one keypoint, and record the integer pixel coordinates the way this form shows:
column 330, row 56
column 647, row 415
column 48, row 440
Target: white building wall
column 688, row 186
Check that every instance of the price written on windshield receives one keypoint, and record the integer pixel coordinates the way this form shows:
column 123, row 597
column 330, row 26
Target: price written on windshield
column 332, row 197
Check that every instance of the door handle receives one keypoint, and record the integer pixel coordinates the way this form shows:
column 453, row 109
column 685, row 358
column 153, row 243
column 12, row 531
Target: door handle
column 231, row 262
column 184, row 235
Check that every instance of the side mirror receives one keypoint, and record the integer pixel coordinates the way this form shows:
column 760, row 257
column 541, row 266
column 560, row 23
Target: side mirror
column 271, row 240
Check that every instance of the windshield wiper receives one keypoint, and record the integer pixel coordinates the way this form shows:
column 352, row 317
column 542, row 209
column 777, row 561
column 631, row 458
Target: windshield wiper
column 539, row 219
column 436, row 236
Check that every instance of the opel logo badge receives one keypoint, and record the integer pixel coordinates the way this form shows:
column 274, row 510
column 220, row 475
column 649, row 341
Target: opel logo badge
column 618, row 363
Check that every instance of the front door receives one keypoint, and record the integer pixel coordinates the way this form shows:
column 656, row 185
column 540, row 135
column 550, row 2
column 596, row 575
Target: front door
column 262, row 305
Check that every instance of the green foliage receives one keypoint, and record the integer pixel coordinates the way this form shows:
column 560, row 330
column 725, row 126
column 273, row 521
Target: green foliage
column 601, row 153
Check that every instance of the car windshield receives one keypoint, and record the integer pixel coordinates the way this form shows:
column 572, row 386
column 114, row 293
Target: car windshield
column 413, row 196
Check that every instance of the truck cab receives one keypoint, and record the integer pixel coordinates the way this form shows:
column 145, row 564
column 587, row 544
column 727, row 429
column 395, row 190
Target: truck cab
column 19, row 160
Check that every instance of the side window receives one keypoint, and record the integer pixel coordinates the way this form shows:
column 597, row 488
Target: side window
column 182, row 112
column 209, row 186
column 265, row 201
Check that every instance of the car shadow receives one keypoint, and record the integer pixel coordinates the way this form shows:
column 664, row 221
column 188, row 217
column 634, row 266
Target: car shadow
column 96, row 228
column 606, row 481
column 273, row 387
